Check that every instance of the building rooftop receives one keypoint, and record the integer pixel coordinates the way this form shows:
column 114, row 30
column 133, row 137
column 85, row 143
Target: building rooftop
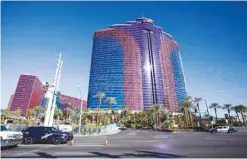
column 145, row 20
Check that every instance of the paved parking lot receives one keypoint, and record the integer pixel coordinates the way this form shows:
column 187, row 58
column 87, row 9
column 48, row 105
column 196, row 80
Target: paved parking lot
column 140, row 143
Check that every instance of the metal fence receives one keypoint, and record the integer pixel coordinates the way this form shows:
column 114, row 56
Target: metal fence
column 95, row 130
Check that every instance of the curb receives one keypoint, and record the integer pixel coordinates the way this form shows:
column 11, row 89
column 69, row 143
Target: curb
column 115, row 132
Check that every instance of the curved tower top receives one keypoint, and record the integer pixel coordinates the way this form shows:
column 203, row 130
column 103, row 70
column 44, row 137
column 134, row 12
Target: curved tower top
column 145, row 20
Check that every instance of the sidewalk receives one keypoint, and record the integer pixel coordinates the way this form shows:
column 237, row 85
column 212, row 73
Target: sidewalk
column 103, row 134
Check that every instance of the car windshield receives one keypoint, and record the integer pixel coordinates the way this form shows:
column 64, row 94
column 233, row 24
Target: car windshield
column 3, row 128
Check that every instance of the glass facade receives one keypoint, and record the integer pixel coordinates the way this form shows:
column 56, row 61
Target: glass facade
column 178, row 76
column 134, row 62
column 28, row 94
column 106, row 72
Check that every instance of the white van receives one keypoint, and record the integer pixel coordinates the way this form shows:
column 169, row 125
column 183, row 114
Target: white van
column 9, row 138
column 65, row 128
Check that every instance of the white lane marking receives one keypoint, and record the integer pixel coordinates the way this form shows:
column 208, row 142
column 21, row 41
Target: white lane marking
column 32, row 151
column 73, row 153
column 161, row 137
column 84, row 146
column 140, row 141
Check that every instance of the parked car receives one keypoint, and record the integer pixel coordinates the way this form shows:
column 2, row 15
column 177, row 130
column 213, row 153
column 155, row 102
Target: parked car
column 44, row 134
column 221, row 129
column 9, row 138
column 122, row 127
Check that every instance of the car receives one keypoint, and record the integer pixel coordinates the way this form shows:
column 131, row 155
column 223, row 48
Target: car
column 122, row 128
column 9, row 138
column 231, row 130
column 221, row 129
column 212, row 129
column 45, row 134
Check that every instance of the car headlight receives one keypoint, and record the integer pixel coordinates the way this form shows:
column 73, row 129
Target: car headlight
column 9, row 135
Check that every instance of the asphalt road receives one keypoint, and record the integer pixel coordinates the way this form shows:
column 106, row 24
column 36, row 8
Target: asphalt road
column 141, row 143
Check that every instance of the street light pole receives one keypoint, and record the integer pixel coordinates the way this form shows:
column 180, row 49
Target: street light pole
column 206, row 105
column 78, row 87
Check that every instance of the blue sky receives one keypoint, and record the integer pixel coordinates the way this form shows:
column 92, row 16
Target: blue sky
column 212, row 37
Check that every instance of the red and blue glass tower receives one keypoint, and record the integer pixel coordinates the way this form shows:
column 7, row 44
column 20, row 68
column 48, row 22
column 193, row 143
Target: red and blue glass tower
column 138, row 64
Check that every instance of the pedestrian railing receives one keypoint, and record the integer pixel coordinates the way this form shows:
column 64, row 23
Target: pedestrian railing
column 95, row 130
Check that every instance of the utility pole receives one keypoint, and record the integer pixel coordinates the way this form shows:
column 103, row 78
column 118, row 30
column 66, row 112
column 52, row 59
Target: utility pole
column 80, row 118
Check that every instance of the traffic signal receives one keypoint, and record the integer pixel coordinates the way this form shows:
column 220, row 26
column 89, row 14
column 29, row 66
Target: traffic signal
column 195, row 110
column 211, row 118
column 226, row 116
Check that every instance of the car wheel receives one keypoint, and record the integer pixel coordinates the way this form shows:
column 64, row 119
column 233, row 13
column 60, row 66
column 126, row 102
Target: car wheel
column 56, row 141
column 28, row 140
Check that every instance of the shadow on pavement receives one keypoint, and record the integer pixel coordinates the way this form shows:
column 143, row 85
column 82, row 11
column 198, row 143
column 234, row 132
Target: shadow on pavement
column 139, row 154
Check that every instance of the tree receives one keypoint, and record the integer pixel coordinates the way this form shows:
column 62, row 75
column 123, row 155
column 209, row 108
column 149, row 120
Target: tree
column 197, row 100
column 111, row 101
column 241, row 109
column 125, row 115
column 6, row 113
column 228, row 108
column 157, row 108
column 67, row 112
column 215, row 106
column 38, row 109
column 100, row 96
column 150, row 114
column 58, row 113
column 186, row 106
column 30, row 113
column 18, row 112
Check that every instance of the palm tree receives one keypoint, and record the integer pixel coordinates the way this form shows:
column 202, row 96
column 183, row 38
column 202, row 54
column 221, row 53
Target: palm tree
column 215, row 106
column 236, row 109
column 125, row 115
column 157, row 108
column 18, row 112
column 30, row 113
column 58, row 113
column 228, row 107
column 100, row 96
column 6, row 113
column 186, row 106
column 197, row 100
column 67, row 113
column 111, row 101
column 38, row 109
column 241, row 109
column 150, row 113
